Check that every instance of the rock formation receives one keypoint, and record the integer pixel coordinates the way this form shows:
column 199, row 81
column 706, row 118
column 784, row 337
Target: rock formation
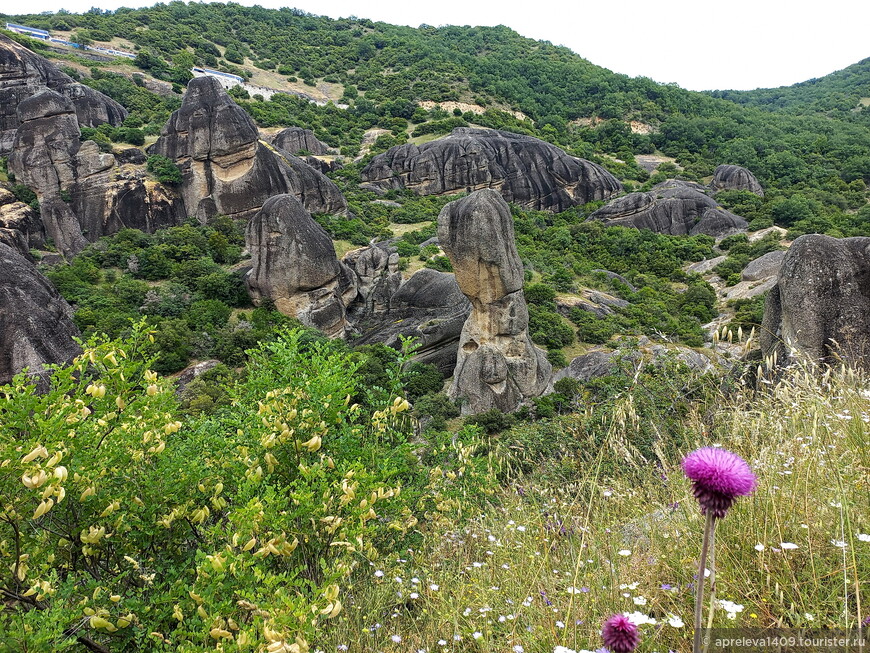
column 727, row 177
column 294, row 140
column 225, row 168
column 23, row 74
column 294, row 265
column 429, row 307
column 83, row 194
column 497, row 364
column 378, row 277
column 20, row 226
column 820, row 306
column 43, row 158
column 671, row 207
column 523, row 169
column 35, row 321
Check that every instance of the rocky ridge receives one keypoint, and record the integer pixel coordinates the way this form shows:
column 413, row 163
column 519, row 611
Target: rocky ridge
column 525, row 170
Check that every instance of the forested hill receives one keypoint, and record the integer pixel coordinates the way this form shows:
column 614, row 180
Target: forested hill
column 812, row 157
column 844, row 94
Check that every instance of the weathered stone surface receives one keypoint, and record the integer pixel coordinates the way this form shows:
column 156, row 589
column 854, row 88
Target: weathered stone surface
column 295, row 139
column 600, row 362
column 293, row 263
column 672, row 207
column 43, row 158
column 727, row 177
column 225, row 168
column 24, row 73
column 707, row 265
column 600, row 303
column 428, row 307
column 763, row 267
column 20, row 226
column 820, row 307
column 35, row 321
column 525, row 170
column 497, row 365
column 107, row 198
column 378, row 277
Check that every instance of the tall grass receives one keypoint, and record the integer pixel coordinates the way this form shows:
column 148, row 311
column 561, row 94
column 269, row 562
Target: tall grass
column 545, row 565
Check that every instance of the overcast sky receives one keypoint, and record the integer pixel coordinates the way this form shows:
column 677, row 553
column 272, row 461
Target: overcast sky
column 741, row 44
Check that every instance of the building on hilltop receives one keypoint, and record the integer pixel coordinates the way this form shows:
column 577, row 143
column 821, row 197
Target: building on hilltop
column 32, row 32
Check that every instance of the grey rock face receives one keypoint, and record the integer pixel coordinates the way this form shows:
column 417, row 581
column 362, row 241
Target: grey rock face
column 296, row 139
column 763, row 267
column 294, row 265
column 20, row 226
column 43, row 158
column 83, row 194
column 35, row 321
column 672, row 207
column 23, row 74
column 497, row 365
column 523, row 169
column 727, row 177
column 599, row 362
column 429, row 307
column 378, row 276
column 600, row 303
column 225, row 168
column 820, row 306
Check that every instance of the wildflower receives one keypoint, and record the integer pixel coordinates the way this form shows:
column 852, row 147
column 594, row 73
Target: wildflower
column 379, row 574
column 620, row 635
column 759, row 547
column 730, row 608
column 789, row 546
column 442, row 642
column 477, row 634
column 518, row 649
column 434, row 587
column 396, row 638
column 675, row 622
column 624, row 552
column 639, row 600
column 563, row 649
column 718, row 478
column 864, row 537
column 839, row 544
column 639, row 618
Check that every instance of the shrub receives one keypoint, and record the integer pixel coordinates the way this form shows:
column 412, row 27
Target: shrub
column 164, row 169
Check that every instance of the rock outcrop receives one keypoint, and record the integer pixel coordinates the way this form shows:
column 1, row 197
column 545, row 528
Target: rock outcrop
column 295, row 140
column 525, row 170
column 378, row 277
column 43, row 158
column 600, row 362
column 820, row 306
column 36, row 327
column 294, row 265
column 671, row 207
column 24, row 74
column 764, row 267
column 727, row 177
column 225, row 168
column 83, row 194
column 428, row 307
column 497, row 365
column 20, row 226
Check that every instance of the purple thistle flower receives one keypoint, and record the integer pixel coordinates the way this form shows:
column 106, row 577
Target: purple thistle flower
column 620, row 635
column 718, row 478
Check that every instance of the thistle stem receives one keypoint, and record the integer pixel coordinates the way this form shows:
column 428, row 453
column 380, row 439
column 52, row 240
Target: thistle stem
column 702, row 568
column 712, row 586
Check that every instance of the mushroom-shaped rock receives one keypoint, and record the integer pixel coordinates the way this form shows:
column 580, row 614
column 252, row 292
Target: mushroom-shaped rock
column 820, row 306
column 727, row 177
column 497, row 365
column 294, row 265
column 525, row 170
column 225, row 168
column 24, row 73
column 36, row 326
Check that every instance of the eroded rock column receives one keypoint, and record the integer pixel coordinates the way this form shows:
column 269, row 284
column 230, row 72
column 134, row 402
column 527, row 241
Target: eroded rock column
column 497, row 365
